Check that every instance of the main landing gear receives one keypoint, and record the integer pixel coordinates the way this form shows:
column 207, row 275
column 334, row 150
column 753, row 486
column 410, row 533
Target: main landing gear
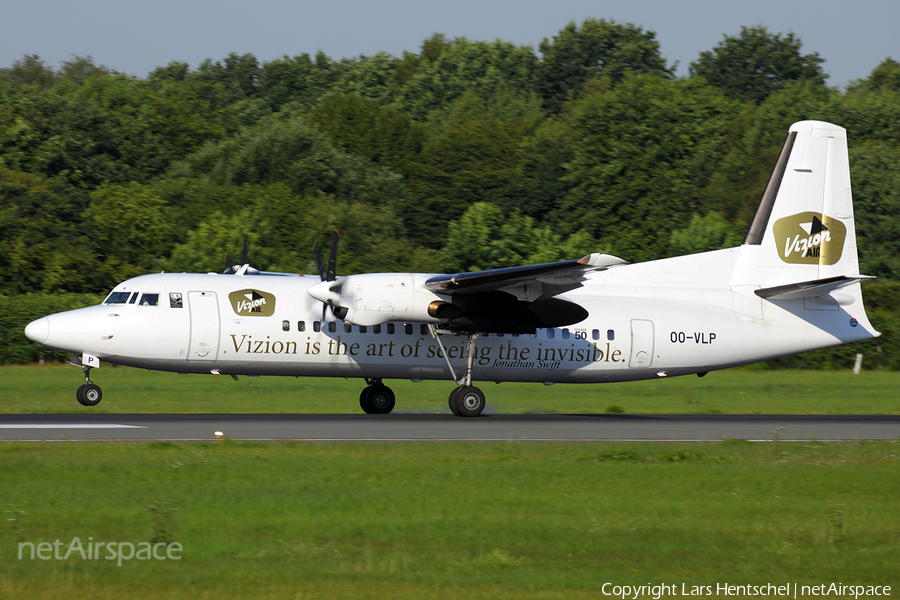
column 376, row 398
column 88, row 394
column 466, row 400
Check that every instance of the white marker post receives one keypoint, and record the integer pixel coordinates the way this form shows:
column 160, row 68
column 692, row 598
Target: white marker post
column 858, row 366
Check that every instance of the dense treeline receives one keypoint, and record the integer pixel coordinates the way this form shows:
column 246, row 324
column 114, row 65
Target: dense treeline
column 466, row 155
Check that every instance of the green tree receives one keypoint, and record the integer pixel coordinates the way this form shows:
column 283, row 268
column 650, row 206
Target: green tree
column 296, row 153
column 884, row 78
column 474, row 160
column 130, row 227
column 751, row 66
column 299, row 80
column 370, row 77
column 29, row 70
column 540, row 184
column 79, row 69
column 44, row 247
column 379, row 134
column 466, row 66
column 704, row 234
column 875, row 172
column 644, row 151
column 239, row 74
column 598, row 48
column 175, row 71
column 216, row 243
column 485, row 237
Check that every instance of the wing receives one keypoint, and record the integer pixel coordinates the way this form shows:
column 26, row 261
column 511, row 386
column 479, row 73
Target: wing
column 527, row 283
column 516, row 299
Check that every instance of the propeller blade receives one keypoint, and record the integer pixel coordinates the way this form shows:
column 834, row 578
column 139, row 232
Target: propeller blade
column 328, row 292
column 317, row 253
column 245, row 251
column 332, row 257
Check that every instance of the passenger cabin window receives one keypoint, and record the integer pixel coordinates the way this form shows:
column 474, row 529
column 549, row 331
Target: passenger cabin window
column 610, row 335
column 423, row 329
column 117, row 298
column 150, row 300
column 285, row 325
column 390, row 328
column 595, row 334
column 332, row 327
column 408, row 328
column 363, row 329
column 317, row 326
column 301, row 325
column 551, row 333
column 348, row 328
column 376, row 329
column 175, row 300
column 565, row 334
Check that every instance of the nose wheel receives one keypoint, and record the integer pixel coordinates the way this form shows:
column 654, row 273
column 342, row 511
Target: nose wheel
column 376, row 398
column 88, row 394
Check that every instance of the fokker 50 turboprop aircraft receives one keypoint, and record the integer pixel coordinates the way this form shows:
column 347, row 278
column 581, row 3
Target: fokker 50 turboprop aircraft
column 793, row 286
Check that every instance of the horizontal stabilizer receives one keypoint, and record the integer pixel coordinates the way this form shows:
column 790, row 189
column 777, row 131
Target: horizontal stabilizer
column 809, row 289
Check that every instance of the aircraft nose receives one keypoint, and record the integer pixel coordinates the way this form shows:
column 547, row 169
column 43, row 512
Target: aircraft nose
column 39, row 330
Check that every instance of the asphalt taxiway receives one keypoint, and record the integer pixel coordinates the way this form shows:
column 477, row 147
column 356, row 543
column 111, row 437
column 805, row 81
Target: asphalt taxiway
column 432, row 427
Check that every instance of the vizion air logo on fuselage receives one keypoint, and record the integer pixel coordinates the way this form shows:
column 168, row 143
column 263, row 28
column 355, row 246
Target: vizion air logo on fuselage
column 809, row 239
column 252, row 303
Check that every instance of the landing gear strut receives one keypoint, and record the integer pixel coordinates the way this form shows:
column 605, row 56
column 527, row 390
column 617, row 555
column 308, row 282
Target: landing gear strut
column 466, row 400
column 376, row 398
column 88, row 394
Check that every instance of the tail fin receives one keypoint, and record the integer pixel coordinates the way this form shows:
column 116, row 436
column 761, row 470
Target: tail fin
column 803, row 230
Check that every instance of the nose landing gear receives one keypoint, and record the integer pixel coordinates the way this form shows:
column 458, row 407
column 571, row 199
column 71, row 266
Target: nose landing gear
column 88, row 394
column 376, row 398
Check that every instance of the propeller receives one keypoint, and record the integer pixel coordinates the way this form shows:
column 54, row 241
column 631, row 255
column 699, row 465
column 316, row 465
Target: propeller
column 328, row 292
column 243, row 267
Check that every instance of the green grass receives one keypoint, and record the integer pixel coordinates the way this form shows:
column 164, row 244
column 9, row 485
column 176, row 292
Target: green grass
column 51, row 389
column 449, row 520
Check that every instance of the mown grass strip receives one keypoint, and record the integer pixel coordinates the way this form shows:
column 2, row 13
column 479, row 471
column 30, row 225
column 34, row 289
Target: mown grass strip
column 481, row 520
column 51, row 389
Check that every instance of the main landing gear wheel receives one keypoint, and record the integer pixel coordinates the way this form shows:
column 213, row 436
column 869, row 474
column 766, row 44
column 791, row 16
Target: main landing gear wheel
column 466, row 400
column 89, row 395
column 452, row 401
column 470, row 401
column 377, row 399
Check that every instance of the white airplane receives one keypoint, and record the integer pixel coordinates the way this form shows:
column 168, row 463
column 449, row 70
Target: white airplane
column 793, row 286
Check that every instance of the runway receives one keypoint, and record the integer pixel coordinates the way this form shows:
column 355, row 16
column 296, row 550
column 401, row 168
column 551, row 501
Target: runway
column 419, row 427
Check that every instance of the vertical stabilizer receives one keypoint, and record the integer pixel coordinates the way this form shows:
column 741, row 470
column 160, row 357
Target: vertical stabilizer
column 803, row 229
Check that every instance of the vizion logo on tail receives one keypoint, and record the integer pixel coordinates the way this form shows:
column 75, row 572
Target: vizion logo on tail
column 810, row 238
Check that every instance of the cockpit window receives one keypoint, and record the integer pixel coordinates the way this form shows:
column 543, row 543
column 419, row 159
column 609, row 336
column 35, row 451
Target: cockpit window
column 150, row 300
column 134, row 297
column 117, row 298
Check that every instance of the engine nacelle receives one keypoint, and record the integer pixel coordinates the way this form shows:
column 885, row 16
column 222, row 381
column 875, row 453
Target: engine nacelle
column 375, row 298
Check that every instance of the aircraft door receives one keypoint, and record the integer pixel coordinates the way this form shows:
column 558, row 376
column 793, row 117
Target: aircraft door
column 204, row 326
column 641, row 343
